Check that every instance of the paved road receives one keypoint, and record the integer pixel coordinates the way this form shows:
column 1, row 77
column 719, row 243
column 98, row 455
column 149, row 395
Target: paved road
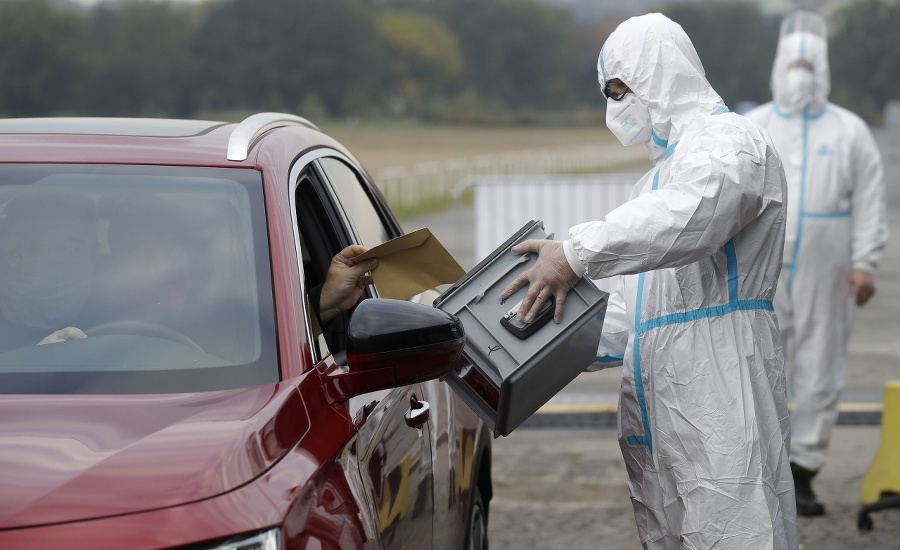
column 563, row 486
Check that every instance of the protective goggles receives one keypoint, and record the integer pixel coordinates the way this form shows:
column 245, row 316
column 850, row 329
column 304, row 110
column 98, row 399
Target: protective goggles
column 607, row 91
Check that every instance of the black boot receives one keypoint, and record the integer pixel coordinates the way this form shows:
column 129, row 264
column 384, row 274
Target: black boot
column 807, row 503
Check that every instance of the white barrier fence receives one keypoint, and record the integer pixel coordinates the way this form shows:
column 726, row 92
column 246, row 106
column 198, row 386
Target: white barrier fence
column 433, row 182
column 503, row 204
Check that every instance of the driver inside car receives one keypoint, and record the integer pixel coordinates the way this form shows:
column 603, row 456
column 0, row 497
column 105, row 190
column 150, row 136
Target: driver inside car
column 48, row 247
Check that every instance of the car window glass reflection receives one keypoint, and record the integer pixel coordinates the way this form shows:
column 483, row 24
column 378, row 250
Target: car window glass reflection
column 356, row 203
column 130, row 273
column 148, row 271
column 47, row 262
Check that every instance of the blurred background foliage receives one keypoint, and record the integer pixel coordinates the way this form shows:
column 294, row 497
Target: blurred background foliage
column 466, row 61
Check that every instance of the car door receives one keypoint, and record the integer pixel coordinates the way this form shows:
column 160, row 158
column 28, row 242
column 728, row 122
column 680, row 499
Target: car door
column 335, row 207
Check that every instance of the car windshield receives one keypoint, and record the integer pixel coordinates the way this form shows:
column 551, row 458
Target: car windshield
column 133, row 279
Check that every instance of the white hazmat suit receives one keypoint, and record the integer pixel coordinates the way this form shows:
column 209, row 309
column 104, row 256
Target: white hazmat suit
column 836, row 222
column 703, row 419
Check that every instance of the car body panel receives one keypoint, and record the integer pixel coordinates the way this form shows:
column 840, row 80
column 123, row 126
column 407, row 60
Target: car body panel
column 200, row 150
column 395, row 463
column 140, row 453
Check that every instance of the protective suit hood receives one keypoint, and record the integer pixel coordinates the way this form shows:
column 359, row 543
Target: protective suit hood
column 654, row 56
column 794, row 46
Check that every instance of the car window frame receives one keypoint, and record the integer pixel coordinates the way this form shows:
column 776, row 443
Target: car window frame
column 349, row 233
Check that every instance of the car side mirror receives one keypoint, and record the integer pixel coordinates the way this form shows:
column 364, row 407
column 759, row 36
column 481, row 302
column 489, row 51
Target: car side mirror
column 393, row 343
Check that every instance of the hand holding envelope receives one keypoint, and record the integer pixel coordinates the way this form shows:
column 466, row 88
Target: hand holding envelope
column 412, row 264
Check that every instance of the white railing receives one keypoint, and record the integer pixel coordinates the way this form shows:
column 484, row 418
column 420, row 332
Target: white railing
column 559, row 201
column 407, row 187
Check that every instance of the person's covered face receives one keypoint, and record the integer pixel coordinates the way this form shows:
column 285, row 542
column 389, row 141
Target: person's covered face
column 800, row 83
column 653, row 81
column 47, row 251
column 800, row 73
column 626, row 117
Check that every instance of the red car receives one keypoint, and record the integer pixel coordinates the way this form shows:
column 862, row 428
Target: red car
column 163, row 383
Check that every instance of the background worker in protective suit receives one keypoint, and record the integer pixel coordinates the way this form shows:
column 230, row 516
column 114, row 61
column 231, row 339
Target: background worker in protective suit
column 703, row 419
column 836, row 230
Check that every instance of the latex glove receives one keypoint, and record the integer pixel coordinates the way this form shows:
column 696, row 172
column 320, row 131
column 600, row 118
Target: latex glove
column 62, row 335
column 861, row 286
column 344, row 282
column 550, row 275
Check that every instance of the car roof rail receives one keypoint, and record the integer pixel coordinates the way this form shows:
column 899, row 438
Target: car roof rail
column 254, row 126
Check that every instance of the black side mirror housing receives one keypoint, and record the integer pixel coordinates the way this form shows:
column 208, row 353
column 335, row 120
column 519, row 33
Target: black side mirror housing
column 393, row 343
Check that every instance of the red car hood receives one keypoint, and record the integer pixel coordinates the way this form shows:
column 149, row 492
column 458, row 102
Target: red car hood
column 68, row 458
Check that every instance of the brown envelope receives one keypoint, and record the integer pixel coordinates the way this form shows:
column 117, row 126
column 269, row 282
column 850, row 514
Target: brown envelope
column 412, row 264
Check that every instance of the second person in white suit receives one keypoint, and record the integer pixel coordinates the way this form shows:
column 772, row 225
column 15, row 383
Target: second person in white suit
column 836, row 231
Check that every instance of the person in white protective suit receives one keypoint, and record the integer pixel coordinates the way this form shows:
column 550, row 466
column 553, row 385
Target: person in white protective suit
column 703, row 418
column 836, row 231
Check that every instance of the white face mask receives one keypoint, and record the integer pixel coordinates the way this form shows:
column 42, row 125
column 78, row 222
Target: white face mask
column 800, row 87
column 628, row 120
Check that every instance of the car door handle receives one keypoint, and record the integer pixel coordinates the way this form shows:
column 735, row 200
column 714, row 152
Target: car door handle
column 418, row 413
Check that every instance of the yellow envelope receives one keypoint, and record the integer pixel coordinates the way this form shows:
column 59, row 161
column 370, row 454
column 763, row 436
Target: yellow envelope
column 412, row 264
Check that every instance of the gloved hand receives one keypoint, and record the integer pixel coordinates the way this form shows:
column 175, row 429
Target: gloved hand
column 61, row 335
column 550, row 275
column 860, row 286
column 344, row 282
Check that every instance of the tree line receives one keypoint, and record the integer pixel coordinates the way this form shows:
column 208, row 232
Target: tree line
column 451, row 60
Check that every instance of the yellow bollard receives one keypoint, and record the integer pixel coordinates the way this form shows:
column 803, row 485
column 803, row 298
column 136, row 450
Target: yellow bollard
column 881, row 486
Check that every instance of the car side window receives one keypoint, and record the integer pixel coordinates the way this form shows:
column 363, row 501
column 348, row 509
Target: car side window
column 334, row 209
column 366, row 222
column 370, row 227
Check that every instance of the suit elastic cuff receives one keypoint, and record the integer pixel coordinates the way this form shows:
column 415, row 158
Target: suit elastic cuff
column 573, row 259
